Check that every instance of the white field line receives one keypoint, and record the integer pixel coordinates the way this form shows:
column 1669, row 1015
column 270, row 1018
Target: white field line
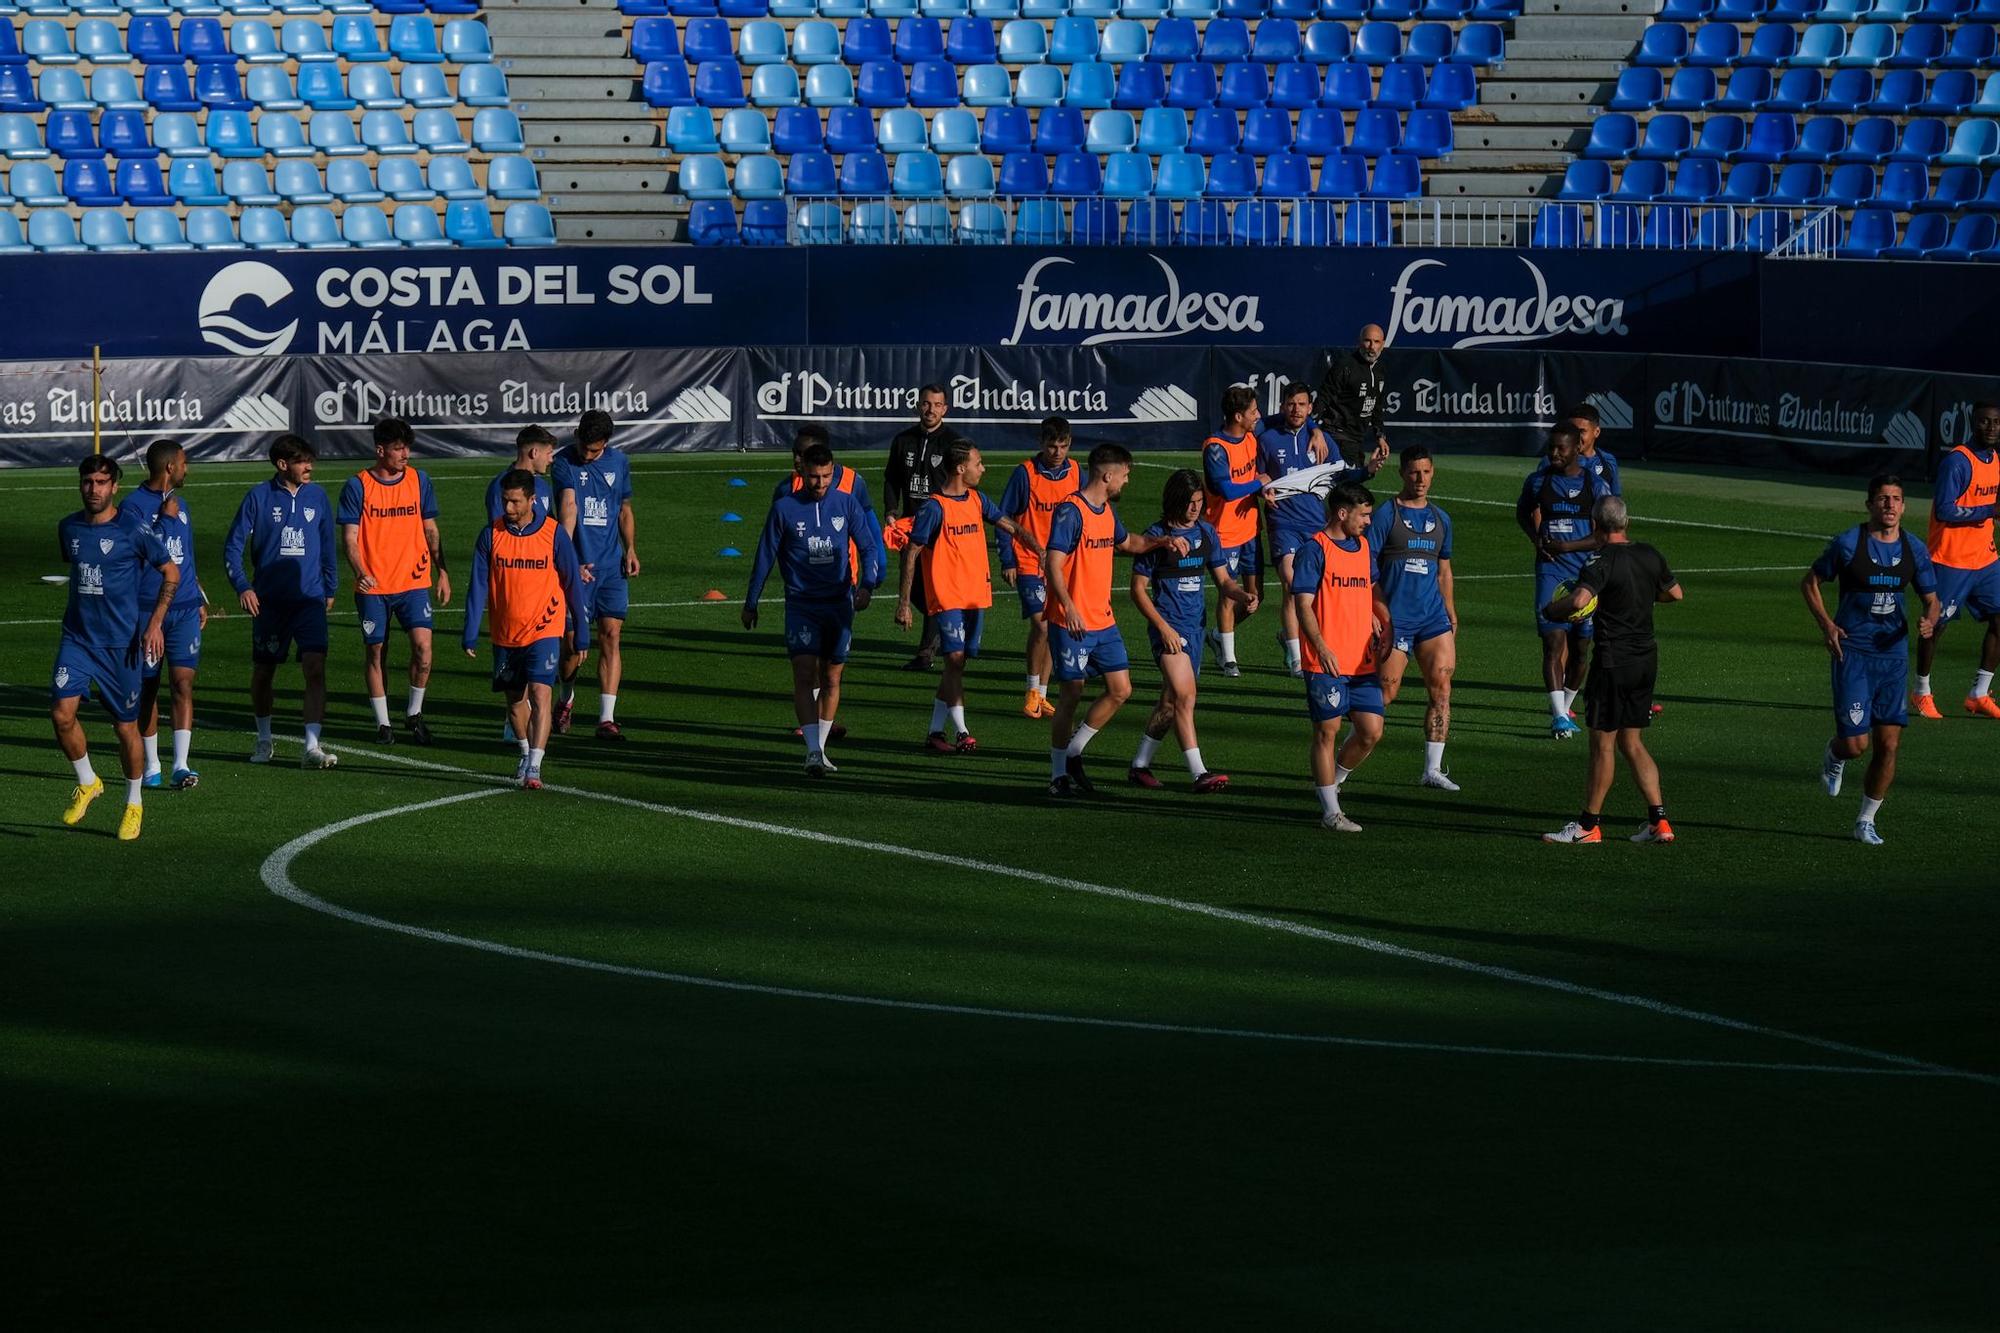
column 278, row 881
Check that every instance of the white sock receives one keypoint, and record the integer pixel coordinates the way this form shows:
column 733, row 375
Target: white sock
column 535, row 760
column 312, row 735
column 1569, row 700
column 958, row 718
column 1923, row 684
column 607, row 707
column 1433, row 756
column 1869, row 805
column 85, row 774
column 1557, row 708
column 1147, row 746
column 1034, row 682
column 524, row 747
column 264, row 730
column 1195, row 767
column 183, row 742
column 825, row 732
column 1228, row 638
column 1291, row 652
column 1058, row 762
column 1329, row 799
column 133, row 788
column 380, row 703
column 152, row 752
column 1982, row 684
column 1081, row 738
column 939, row 708
column 416, row 705
column 1042, row 688
column 1341, row 775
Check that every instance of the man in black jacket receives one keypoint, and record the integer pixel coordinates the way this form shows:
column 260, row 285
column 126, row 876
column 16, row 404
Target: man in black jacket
column 1349, row 404
column 916, row 460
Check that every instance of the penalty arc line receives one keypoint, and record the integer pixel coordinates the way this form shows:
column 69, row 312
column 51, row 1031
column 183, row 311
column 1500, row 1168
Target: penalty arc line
column 275, row 876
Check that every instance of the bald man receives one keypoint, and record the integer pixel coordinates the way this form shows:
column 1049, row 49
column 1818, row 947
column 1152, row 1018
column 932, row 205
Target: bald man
column 1349, row 405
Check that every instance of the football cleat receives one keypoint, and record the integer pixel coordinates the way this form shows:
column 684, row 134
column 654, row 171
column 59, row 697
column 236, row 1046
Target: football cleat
column 521, row 771
column 816, row 765
column 128, row 823
column 1436, row 778
column 1031, row 704
column 263, row 753
column 1563, row 729
column 921, row 662
column 533, row 781
column 80, row 798
column 1296, row 671
column 420, row 731
column 1660, row 831
column 1231, row 670
column 967, row 743
column 1339, row 823
column 563, row 711
column 1924, row 705
column 186, row 779
column 1982, row 706
column 1048, row 709
column 1078, row 778
column 608, row 731
column 1830, row 772
column 1574, row 832
column 319, row 759
column 1142, row 777
column 385, row 734
column 937, row 743
column 1658, row 709
column 153, row 779
column 1864, row 831
column 1210, row 783
column 1062, row 789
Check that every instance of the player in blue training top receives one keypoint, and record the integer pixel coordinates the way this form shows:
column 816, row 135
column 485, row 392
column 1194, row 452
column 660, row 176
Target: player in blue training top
column 593, row 485
column 1600, row 464
column 156, row 503
column 1554, row 511
column 1293, row 444
column 102, row 640
column 534, row 451
column 1170, row 588
column 1411, row 539
column 1869, row 641
column 806, row 537
column 286, row 525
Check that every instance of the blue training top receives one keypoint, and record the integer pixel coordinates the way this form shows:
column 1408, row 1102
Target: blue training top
column 106, row 562
column 806, row 542
column 1409, row 543
column 147, row 507
column 1180, row 582
column 603, row 486
column 1871, row 588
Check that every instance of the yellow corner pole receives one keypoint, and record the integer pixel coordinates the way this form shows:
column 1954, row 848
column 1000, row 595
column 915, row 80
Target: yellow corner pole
column 96, row 399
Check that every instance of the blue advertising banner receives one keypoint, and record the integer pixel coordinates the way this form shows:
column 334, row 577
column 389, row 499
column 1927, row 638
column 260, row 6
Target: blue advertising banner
column 1777, row 413
column 1929, row 315
column 433, row 301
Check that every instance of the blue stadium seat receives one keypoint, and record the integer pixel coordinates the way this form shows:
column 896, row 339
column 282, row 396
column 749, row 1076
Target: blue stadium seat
column 496, row 130
column 1076, row 173
column 1797, row 184
column 1899, row 90
column 1844, row 11
column 1257, row 222
column 1795, row 90
column 219, row 88
column 354, row 40
column 1231, row 176
column 933, row 83
column 1278, row 41
column 1903, row 186
column 811, row 172
column 1040, row 85
column 982, row 224
column 209, row 228
column 902, row 130
column 1402, row 86
column 1005, row 130
column 1287, row 175
column 969, row 177
column 1972, row 45
column 771, row 86
column 705, row 39
column 1773, row 138
column 850, row 129
column 1267, row 130
column 1024, row 174
column 1663, row 45
column 719, row 83
column 1585, row 180
column 1428, row 44
column 704, row 177
column 1378, row 43
column 796, row 129
column 1614, row 135
column 1641, row 182
column 1214, row 131
column 1367, row 224
column 1225, row 41
column 815, row 42
column 468, row 224
column 864, row 173
column 1140, row 86
column 829, row 85
column 122, row 133
column 1951, row 93
column 138, row 182
column 1849, row 185
column 819, row 224
column 759, row 177
column 1956, row 188
column 1722, row 137
column 1127, row 175
column 1685, row 11
column 1822, row 139
column 919, row 38
column 1667, row 138
column 1342, row 175
column 1973, row 234
column 1151, row 222
column 88, row 181
column 1823, row 46
column 1924, row 140
column 874, row 224
column 1295, row 86
column 1891, row 11
column 1667, row 227
column 1375, row 132
column 1920, row 47
column 927, row 224
column 1092, row 86
column 1847, row 92
column 1770, row 46
column 1692, row 88
column 1040, row 222
column 970, row 41
column 416, row 226
column 1327, row 43
column 1746, row 183
column 1557, row 226
column 1870, row 48
column 149, row 37
column 1022, row 42
column 1941, row 11
column 1243, row 86
column 1871, row 231
column 1715, row 44
column 1205, row 222
column 1640, row 89
column 1975, row 143
column 1792, row 11
column 656, row 39
column 1174, row 41
column 1738, row 11
column 1696, row 180
column 1349, row 86
column 665, row 84
column 1059, row 130
column 1427, row 134
column 1397, row 176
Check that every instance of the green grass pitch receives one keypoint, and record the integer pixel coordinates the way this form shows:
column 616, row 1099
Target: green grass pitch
column 912, row 1045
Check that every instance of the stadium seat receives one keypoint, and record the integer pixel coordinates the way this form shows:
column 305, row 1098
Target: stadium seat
column 1091, row 86
column 719, row 83
column 1295, row 86
column 969, row 177
column 707, row 39
column 1871, row 231
column 1076, row 173
column 1193, row 85
column 1225, row 41
column 496, row 130
column 1058, row 130
column 1205, row 222
column 864, row 173
column 1847, row 92
column 1920, row 47
column 665, row 84
column 383, row 132
column 1122, row 41
column 1349, row 87
column 1823, row 139
column 412, row 39
column 1869, row 48
column 934, row 83
column 20, row 137
column 1663, row 45
column 1823, row 46
column 1585, row 180
column 926, row 224
column 1557, row 226
column 1287, row 175
column 1267, row 130
column 416, row 226
column 1022, row 42
column 349, row 180
column 1774, row 136
column 1257, row 222
column 514, row 177
column 1641, row 182
column 850, row 129
column 1951, row 93
column 759, row 177
column 1175, row 41
column 1278, row 42
column 1024, row 174
column 1975, row 143
column 424, row 86
column 51, row 232
column 297, row 181
column 1716, row 45
column 1038, row 85
column 1640, row 89
column 916, row 39
column 1140, row 86
column 970, row 41
column 1956, row 188
column 1110, row 132
column 1667, row 227
column 874, row 224
column 139, row 183
column 1747, row 183
column 1770, row 46
column 88, row 181
column 1748, row 89
column 818, row 224
column 1696, row 181
column 1320, row 130
column 528, row 225
column 1151, row 222
column 691, row 129
column 704, row 177
column 209, row 228
column 246, row 183
column 270, row 88
column 771, row 86
column 354, row 40
column 811, row 172
column 796, row 129
column 1163, row 130
column 1397, row 176
column 881, row 84
column 1615, row 134
column 1378, row 43
column 1375, row 132
column 64, row 89
column 35, row 184
column 815, row 42
column 1899, row 90
column 1903, row 186
column 902, row 130
column 363, row 226
column 1667, row 138
column 1972, row 46
column 958, row 131
column 1182, row 175
column 1427, row 134
column 157, row 230
column 981, row 224
column 264, row 228
column 1127, row 176
column 1327, row 43
column 1797, row 185
column 1923, row 140
column 279, row 135
column 1850, row 185
column 1342, row 175
column 468, row 224
column 1040, row 222
column 1428, row 44
column 1973, row 234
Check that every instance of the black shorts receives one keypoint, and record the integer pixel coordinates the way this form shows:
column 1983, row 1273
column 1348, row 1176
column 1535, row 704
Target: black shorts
column 1620, row 695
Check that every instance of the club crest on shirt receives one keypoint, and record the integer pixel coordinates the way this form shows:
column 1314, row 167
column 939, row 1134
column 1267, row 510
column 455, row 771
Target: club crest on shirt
column 1950, row 610
column 311, row 514
column 839, row 523
column 62, row 676
column 105, row 544
column 1330, row 697
column 1855, row 712
column 367, row 627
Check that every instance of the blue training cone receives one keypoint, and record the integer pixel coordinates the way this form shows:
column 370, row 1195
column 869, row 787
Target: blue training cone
column 732, row 518
column 729, row 550
column 738, row 481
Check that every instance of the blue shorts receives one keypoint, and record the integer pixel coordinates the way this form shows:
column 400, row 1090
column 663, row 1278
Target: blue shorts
column 1868, row 692
column 1095, row 652
column 412, row 610
column 1548, row 578
column 1408, row 635
column 1034, row 594
column 819, row 629
column 535, row 664
column 1287, row 541
column 183, row 634
column 607, row 598
column 278, row 625
column 1973, row 590
column 1193, row 640
column 959, row 631
column 111, row 673
column 1245, row 561
column 1330, row 698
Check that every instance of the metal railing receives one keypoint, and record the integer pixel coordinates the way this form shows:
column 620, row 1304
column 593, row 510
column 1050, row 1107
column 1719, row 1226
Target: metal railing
column 1818, row 237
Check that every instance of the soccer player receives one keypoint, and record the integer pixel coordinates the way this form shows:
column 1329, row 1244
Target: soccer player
column 916, row 456
column 1034, row 490
column 388, row 526
column 1283, row 449
column 527, row 566
column 1411, row 539
column 845, row 479
column 1170, row 593
column 286, row 524
column 1599, row 463
column 101, row 635
column 1868, row 639
column 534, row 451
column 1627, row 578
column 948, row 541
column 1961, row 548
column 1345, row 627
column 594, row 493
column 1554, row 510
column 1083, row 638
column 1231, row 478
column 806, row 539
column 154, row 503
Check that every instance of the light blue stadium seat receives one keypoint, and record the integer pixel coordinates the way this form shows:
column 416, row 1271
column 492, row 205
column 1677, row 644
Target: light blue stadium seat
column 761, row 42
column 416, row 226
column 332, row 133
column 819, row 224
column 279, row 134
column 255, row 43
column 298, row 182
column 1869, row 48
column 157, row 230
column 704, row 177
column 304, row 41
column 1123, row 41
column 47, row 42
column 759, row 177
column 1110, row 132
column 349, row 180
column 955, row 131
column 874, row 224
column 355, row 42
column 412, row 39
column 902, row 130
column 246, row 183
column 468, row 224
column 1040, row 222
column 1023, row 42
column 51, row 232
column 1092, row 86
column 1163, row 130
column 969, row 178
column 744, row 130
column 265, row 229
column 210, row 228
column 1182, row 175
column 64, row 89
column 366, row 227
column 815, row 42
column 988, row 85
column 496, row 130
column 35, row 184
column 424, row 86
column 1039, row 85
column 1823, row 46
column 385, row 133
column 401, row 179
column 927, row 224
column 374, row 88
column 770, row 86
column 1975, row 143
column 829, row 85
column 20, row 137
column 1127, row 175
column 437, row 131
column 270, row 87
column 918, row 176
column 981, row 224
column 101, row 43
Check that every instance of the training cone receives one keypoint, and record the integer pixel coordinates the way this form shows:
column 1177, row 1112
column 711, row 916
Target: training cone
column 738, row 481
column 715, row 595
column 729, row 550
column 732, row 518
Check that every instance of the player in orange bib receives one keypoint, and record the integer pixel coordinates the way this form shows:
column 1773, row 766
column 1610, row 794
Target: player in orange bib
column 1083, row 639
column 1037, row 486
column 388, row 527
column 1968, row 570
column 526, row 574
column 1235, row 485
column 948, row 538
column 1344, row 634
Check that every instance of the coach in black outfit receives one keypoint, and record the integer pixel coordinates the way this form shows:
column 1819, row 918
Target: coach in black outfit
column 1627, row 578
column 916, row 462
column 1349, row 403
